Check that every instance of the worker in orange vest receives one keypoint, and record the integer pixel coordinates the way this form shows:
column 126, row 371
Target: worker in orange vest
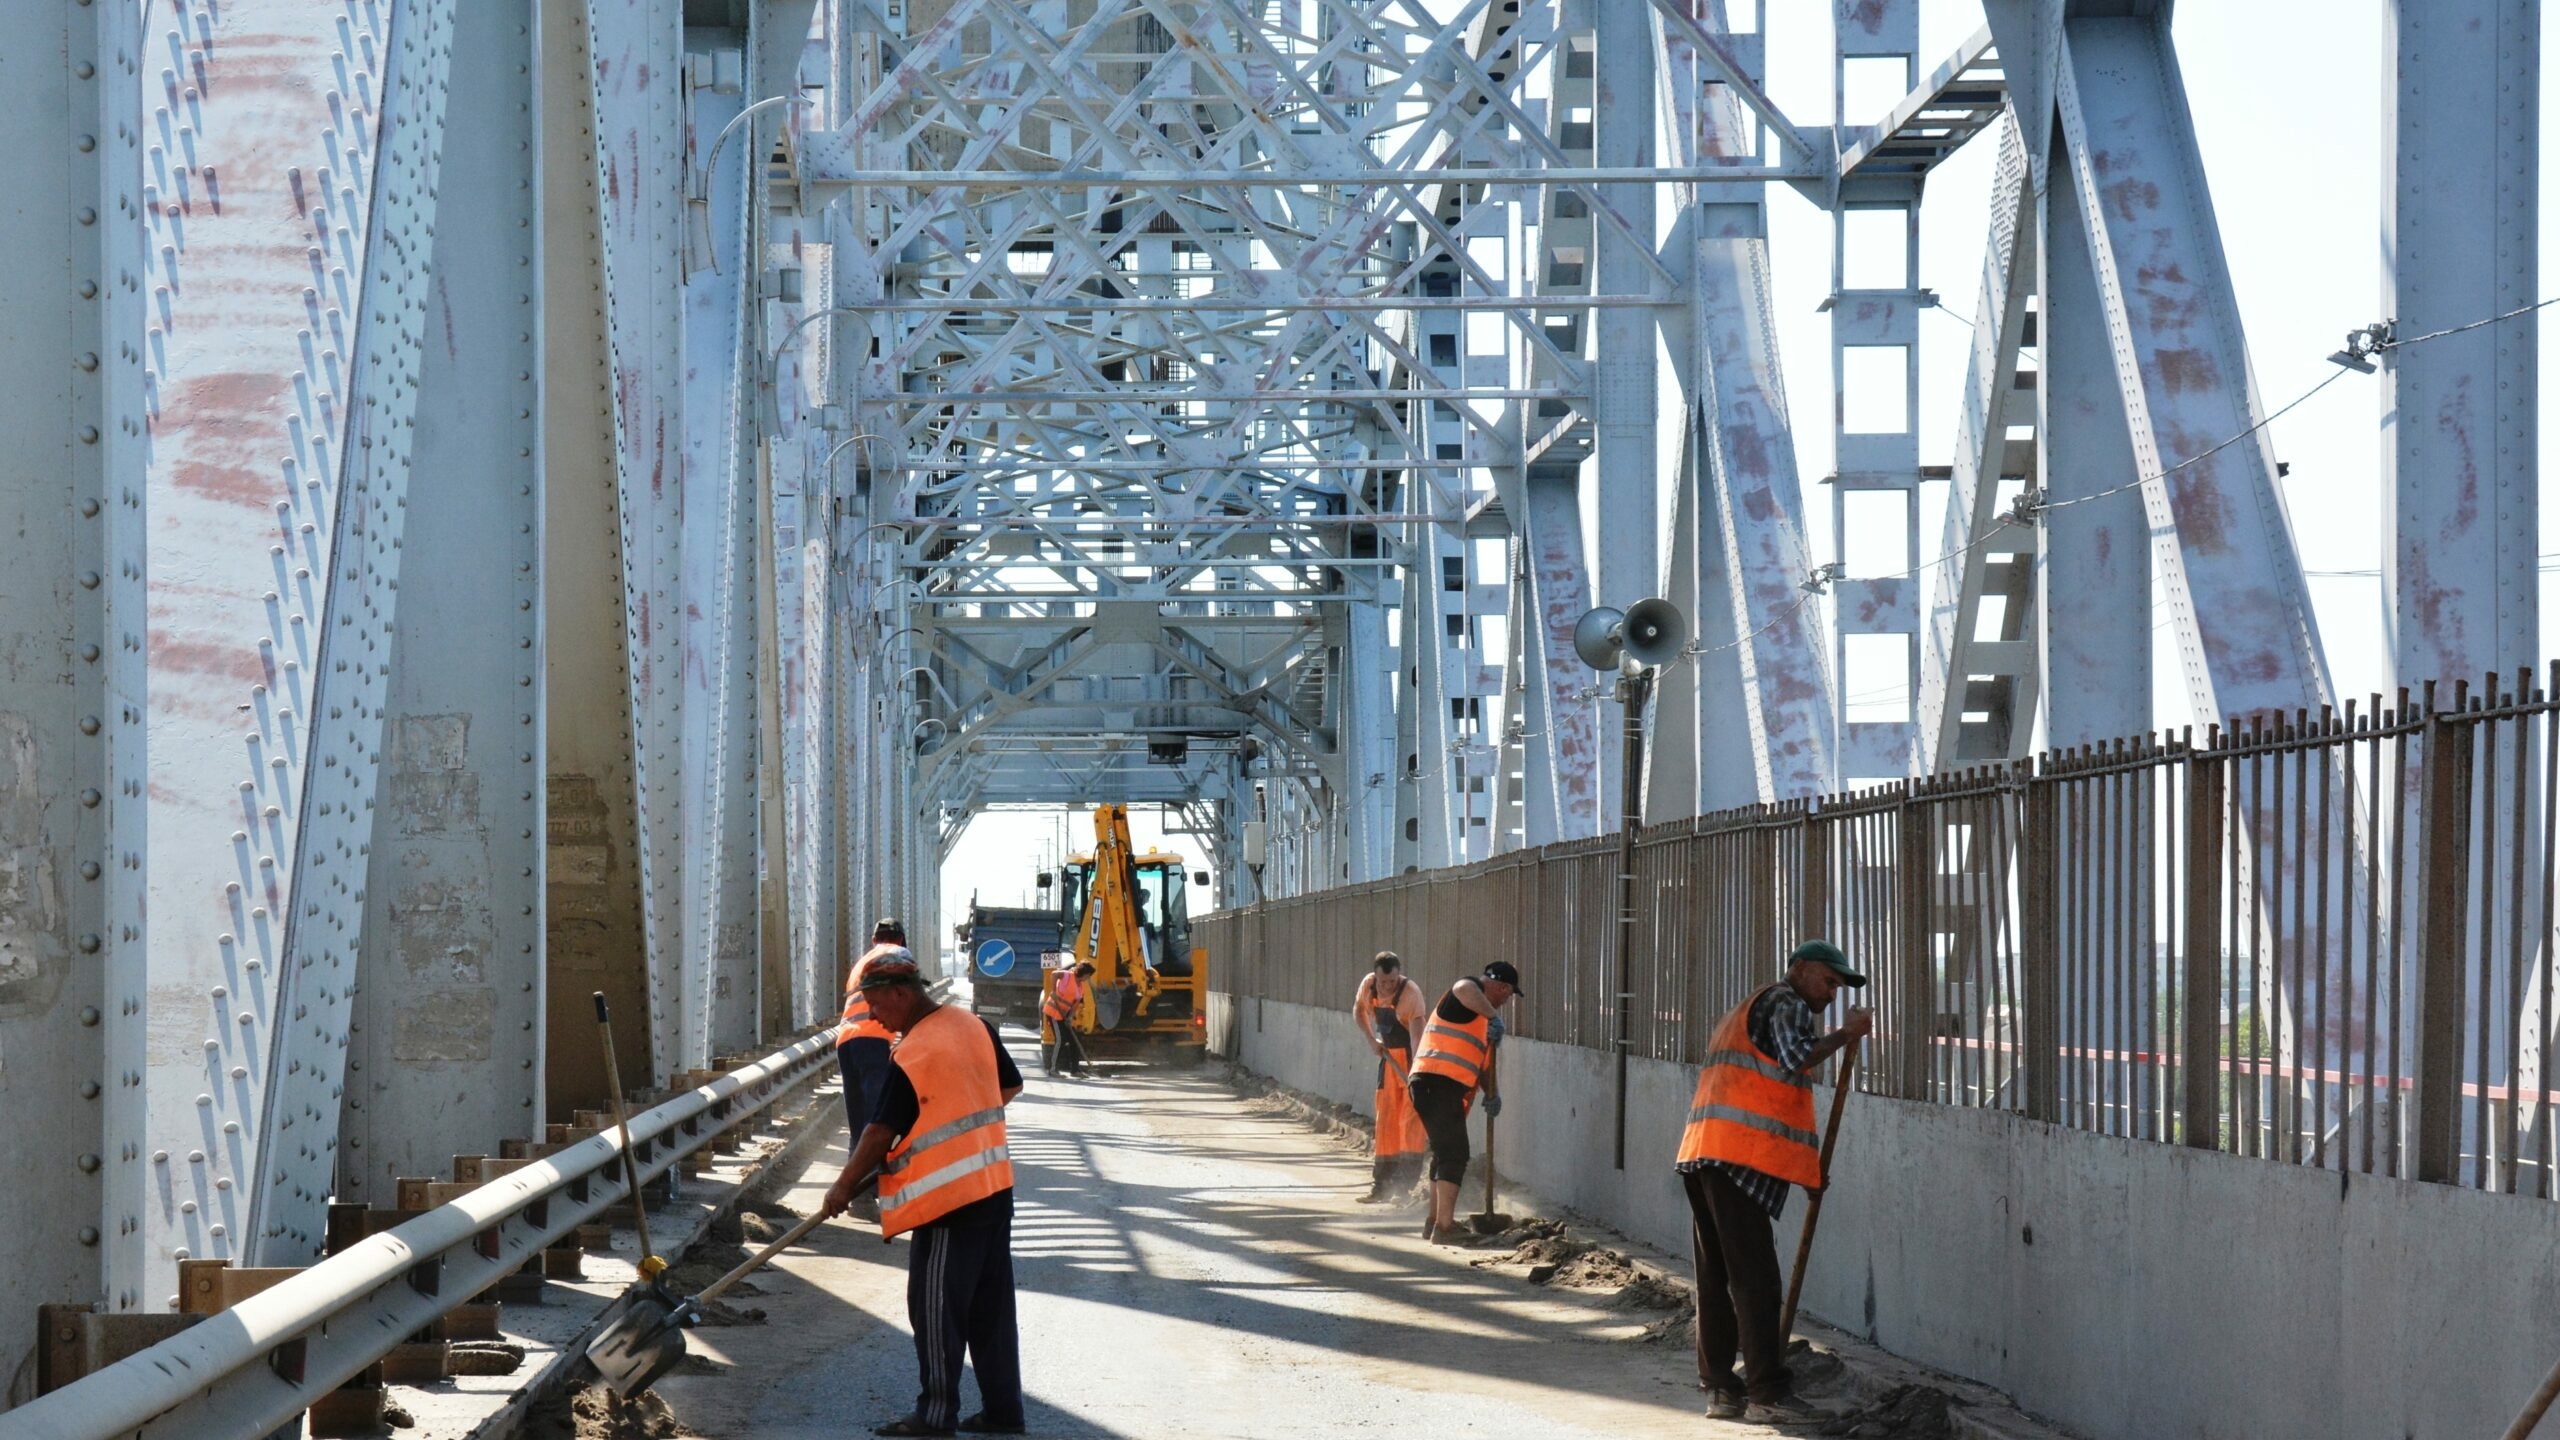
column 1065, row 1050
column 1387, row 1010
column 1453, row 1062
column 1750, row 1135
column 862, row 1043
column 936, row 1144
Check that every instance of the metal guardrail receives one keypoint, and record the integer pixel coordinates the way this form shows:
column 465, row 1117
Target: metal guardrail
column 254, row 1367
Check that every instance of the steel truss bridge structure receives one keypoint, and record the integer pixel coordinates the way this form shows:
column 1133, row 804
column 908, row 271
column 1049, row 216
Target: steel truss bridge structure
column 510, row 500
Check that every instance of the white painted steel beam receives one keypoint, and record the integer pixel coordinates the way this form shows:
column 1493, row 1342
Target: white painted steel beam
column 2461, row 115
column 594, row 906
column 636, row 74
column 2233, row 583
column 2093, row 595
column 348, row 664
column 71, row 535
column 446, row 1045
column 257, row 317
column 719, row 961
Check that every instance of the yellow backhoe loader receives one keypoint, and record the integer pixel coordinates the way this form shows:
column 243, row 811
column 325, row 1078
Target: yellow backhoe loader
column 1127, row 916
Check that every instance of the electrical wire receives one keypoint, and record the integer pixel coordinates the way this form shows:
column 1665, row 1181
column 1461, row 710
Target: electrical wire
column 2030, row 511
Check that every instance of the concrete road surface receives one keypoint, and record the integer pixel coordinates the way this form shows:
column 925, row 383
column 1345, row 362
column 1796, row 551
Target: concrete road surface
column 1190, row 1265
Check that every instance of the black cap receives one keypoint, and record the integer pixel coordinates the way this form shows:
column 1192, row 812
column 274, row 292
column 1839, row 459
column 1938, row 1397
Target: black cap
column 1504, row 971
column 1823, row 952
column 896, row 968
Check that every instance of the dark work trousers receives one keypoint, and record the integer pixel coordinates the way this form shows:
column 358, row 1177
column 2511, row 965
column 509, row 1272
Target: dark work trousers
column 960, row 1299
column 864, row 1060
column 1442, row 1104
column 1738, row 1288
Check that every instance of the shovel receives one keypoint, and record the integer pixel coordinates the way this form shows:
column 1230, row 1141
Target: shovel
column 646, row 1340
column 1489, row 1221
column 650, row 1295
column 1813, row 1204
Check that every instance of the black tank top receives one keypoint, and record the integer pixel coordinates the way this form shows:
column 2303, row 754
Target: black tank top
column 1384, row 1022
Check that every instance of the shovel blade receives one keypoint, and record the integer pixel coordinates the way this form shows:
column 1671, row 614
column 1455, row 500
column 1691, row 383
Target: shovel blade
column 641, row 1345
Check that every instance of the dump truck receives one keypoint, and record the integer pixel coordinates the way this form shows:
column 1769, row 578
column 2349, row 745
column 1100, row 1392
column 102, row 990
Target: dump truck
column 1129, row 916
column 1006, row 946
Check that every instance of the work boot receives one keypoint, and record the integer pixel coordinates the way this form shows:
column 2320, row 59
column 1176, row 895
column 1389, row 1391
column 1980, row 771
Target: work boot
column 1726, row 1405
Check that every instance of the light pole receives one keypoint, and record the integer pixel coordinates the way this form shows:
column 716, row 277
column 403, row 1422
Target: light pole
column 1648, row 633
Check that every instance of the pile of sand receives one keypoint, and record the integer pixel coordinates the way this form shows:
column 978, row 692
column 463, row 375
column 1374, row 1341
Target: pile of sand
column 592, row 1412
column 1905, row 1412
column 1549, row 1256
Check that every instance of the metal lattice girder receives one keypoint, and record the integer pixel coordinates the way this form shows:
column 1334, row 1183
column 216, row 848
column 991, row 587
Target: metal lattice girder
column 71, row 534
column 445, row 1050
column 2461, row 213
column 635, row 49
column 1979, row 662
column 258, row 505
column 349, row 664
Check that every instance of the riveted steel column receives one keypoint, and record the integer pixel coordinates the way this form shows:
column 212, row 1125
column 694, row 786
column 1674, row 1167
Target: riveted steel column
column 260, row 128
column 2461, row 116
column 445, row 1055
column 70, row 537
column 1624, row 472
column 351, row 658
column 636, row 50
column 592, row 897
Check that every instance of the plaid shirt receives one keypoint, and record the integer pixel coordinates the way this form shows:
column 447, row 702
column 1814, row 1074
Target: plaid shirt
column 1784, row 1028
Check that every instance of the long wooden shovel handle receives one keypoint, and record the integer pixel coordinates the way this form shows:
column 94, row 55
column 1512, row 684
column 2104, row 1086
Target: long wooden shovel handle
column 1813, row 1207
column 622, row 1124
column 2537, row 1407
column 789, row 1238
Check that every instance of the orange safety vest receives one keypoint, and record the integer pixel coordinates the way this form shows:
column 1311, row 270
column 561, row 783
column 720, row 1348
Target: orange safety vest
column 1060, row 1002
column 1750, row 1110
column 858, row 1024
column 955, row 1154
column 1455, row 1052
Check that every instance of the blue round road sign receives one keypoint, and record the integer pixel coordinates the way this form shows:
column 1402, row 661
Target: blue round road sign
column 995, row 959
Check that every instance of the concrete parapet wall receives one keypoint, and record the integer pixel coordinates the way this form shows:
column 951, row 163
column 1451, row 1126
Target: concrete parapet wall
column 2128, row 1289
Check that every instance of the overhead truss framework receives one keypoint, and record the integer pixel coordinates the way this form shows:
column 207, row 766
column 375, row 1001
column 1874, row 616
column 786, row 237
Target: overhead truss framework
column 1229, row 413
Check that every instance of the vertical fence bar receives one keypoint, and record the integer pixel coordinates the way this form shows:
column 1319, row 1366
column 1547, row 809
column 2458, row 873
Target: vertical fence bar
column 1914, row 868
column 2039, row 966
column 2200, row 1043
column 2444, row 821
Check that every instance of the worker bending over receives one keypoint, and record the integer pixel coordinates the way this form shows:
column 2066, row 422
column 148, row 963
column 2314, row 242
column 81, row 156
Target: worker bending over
column 1454, row 1060
column 936, row 1143
column 1751, row 1135
column 1388, row 1009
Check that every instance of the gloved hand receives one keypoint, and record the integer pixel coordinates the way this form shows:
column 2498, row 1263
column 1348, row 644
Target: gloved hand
column 1492, row 1103
column 1493, row 1028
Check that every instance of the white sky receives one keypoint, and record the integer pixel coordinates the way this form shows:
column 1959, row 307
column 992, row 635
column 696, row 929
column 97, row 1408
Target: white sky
column 2287, row 99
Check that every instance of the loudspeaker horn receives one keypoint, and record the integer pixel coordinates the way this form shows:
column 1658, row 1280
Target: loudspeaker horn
column 1653, row 632
column 1595, row 637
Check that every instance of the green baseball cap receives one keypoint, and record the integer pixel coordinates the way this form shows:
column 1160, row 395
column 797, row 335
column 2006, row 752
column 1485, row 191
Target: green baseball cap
column 1823, row 952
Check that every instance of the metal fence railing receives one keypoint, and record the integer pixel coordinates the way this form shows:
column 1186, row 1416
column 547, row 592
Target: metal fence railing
column 258, row 1365
column 2320, row 940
